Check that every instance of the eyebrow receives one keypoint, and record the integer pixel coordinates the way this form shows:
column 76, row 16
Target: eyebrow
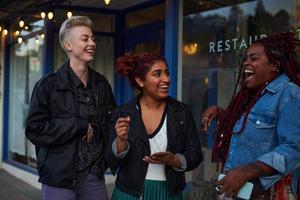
column 85, row 35
column 159, row 70
column 251, row 54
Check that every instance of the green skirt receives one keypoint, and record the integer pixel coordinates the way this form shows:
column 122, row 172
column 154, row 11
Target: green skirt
column 152, row 190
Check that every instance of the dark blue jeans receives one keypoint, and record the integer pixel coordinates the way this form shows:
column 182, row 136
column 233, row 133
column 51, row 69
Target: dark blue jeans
column 91, row 189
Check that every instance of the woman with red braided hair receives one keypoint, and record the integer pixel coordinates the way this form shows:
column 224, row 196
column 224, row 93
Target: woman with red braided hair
column 153, row 140
column 258, row 136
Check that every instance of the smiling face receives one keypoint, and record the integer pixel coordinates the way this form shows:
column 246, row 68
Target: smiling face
column 80, row 44
column 258, row 70
column 156, row 82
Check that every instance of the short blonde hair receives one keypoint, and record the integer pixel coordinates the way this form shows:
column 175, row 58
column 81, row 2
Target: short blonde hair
column 70, row 23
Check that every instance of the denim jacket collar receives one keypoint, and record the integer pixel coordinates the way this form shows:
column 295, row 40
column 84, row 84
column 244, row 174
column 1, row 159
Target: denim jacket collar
column 277, row 83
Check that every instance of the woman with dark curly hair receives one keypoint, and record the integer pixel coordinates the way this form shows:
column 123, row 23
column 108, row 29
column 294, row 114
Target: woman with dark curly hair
column 153, row 140
column 258, row 135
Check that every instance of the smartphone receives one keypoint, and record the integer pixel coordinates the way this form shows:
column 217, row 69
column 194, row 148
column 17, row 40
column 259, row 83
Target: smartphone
column 244, row 192
column 159, row 154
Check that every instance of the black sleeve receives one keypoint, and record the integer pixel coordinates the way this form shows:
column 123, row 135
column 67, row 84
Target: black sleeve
column 192, row 153
column 112, row 161
column 43, row 129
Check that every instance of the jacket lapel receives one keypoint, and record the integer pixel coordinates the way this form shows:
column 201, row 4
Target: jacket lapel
column 136, row 118
column 175, row 121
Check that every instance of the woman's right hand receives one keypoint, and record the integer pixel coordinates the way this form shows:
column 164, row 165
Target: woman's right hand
column 208, row 115
column 122, row 128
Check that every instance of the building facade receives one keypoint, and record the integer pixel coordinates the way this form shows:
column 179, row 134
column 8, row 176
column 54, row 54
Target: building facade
column 202, row 41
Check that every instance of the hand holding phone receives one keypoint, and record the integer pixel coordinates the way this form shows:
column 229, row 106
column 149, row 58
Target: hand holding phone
column 159, row 155
column 244, row 192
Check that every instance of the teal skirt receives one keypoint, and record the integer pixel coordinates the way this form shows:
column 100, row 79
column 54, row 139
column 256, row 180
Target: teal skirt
column 152, row 190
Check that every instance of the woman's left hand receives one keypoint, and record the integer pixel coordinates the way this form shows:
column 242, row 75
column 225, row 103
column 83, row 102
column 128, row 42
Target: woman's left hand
column 232, row 182
column 167, row 158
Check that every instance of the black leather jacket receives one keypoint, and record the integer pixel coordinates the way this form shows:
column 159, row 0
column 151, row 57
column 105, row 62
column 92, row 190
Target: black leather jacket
column 182, row 138
column 54, row 126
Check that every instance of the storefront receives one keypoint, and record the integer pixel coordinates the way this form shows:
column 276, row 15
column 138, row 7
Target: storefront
column 32, row 51
column 203, row 42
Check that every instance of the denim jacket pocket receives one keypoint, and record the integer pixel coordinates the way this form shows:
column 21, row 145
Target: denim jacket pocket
column 260, row 131
column 262, row 120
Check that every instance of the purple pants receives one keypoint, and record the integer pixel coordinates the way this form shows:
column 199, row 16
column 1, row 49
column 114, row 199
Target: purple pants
column 91, row 189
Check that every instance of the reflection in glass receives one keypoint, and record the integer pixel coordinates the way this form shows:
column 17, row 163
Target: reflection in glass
column 25, row 71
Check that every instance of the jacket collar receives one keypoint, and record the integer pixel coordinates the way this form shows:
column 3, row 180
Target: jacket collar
column 64, row 81
column 278, row 83
column 173, row 105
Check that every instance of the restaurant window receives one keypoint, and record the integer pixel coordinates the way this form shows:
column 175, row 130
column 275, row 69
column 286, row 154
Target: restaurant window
column 25, row 71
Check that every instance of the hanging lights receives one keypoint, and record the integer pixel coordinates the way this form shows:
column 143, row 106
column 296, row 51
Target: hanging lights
column 107, row 2
column 69, row 13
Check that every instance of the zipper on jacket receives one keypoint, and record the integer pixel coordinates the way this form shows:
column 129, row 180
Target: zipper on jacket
column 142, row 193
column 74, row 183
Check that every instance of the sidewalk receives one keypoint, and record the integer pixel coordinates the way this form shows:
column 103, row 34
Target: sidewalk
column 12, row 188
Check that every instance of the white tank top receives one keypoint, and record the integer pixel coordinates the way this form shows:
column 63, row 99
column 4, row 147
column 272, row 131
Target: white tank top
column 158, row 143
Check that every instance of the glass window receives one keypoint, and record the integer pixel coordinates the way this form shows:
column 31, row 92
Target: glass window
column 215, row 37
column 31, row 26
column 25, row 71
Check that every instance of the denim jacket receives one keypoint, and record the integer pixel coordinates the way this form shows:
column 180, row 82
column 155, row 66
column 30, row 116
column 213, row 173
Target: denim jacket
column 271, row 134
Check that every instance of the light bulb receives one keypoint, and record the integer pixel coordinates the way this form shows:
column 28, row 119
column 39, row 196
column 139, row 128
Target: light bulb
column 0, row 28
column 69, row 14
column 43, row 15
column 17, row 33
column 50, row 15
column 37, row 40
column 26, row 27
column 106, row 2
column 5, row 31
column 42, row 35
column 21, row 23
column 20, row 40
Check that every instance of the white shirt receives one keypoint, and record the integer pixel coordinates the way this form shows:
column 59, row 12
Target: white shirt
column 158, row 144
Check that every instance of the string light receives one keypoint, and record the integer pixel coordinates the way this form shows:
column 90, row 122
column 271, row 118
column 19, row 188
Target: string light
column 26, row 27
column 17, row 33
column 106, row 2
column 21, row 23
column 5, row 31
column 37, row 40
column 43, row 15
column 50, row 15
column 69, row 13
column 0, row 28
column 42, row 35
column 20, row 40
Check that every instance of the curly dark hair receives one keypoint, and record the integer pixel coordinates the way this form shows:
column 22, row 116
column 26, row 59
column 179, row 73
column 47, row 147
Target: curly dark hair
column 136, row 65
